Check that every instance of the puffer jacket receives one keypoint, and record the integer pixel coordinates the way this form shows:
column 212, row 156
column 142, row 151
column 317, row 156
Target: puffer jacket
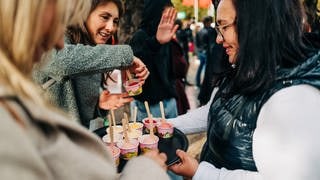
column 232, row 121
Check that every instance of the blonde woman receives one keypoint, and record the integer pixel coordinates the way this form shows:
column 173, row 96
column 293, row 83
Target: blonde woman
column 36, row 141
column 74, row 77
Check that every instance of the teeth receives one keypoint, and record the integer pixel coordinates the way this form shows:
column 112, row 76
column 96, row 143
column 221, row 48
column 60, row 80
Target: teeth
column 103, row 34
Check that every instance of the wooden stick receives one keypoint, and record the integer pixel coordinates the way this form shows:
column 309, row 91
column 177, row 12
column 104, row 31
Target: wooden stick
column 125, row 133
column 111, row 130
column 127, row 121
column 128, row 74
column 150, row 118
column 163, row 119
column 113, row 118
column 135, row 111
column 151, row 126
column 147, row 109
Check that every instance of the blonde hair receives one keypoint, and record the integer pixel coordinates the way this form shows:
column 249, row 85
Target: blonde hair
column 20, row 34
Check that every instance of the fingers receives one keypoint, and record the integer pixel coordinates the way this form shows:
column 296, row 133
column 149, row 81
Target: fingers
column 124, row 95
column 162, row 21
column 160, row 158
column 105, row 92
column 113, row 101
column 139, row 69
column 143, row 75
column 174, row 30
column 163, row 156
column 175, row 168
column 172, row 15
column 168, row 16
column 181, row 154
column 126, row 100
column 178, row 166
column 123, row 99
column 187, row 166
column 137, row 62
column 165, row 15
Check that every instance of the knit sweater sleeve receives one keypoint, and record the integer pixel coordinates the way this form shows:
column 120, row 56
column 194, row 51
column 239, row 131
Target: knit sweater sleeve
column 76, row 60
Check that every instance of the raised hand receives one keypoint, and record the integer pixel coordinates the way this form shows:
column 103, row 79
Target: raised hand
column 166, row 28
column 108, row 101
column 188, row 165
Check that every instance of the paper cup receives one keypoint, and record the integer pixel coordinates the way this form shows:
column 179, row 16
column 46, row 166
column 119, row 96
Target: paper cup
column 134, row 134
column 128, row 150
column 165, row 130
column 116, row 138
column 147, row 125
column 148, row 143
column 116, row 129
column 133, row 87
column 138, row 126
column 115, row 151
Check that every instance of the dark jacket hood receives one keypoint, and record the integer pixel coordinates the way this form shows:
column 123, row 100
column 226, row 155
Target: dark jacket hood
column 151, row 14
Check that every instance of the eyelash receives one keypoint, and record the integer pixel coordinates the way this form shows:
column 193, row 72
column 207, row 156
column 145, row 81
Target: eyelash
column 107, row 17
column 224, row 28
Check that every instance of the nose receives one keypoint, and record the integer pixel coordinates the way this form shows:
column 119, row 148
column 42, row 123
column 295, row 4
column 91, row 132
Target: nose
column 219, row 39
column 109, row 25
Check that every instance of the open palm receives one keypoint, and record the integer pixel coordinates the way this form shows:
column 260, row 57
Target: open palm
column 109, row 101
column 166, row 27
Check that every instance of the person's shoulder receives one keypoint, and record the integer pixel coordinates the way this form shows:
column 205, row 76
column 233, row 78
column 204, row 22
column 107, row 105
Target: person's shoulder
column 140, row 32
column 294, row 99
column 139, row 35
column 297, row 92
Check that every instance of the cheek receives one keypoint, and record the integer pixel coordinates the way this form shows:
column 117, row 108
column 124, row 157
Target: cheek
column 114, row 29
column 91, row 24
column 60, row 41
column 47, row 18
column 235, row 39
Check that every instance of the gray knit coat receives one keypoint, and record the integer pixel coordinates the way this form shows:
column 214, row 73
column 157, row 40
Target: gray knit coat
column 75, row 74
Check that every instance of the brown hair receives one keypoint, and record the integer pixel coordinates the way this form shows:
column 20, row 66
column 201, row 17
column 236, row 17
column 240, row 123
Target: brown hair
column 79, row 34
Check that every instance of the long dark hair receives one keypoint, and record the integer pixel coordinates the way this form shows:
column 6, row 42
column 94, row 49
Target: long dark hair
column 312, row 12
column 270, row 36
column 79, row 34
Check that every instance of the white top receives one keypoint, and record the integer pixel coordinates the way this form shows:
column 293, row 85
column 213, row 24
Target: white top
column 114, row 87
column 285, row 142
